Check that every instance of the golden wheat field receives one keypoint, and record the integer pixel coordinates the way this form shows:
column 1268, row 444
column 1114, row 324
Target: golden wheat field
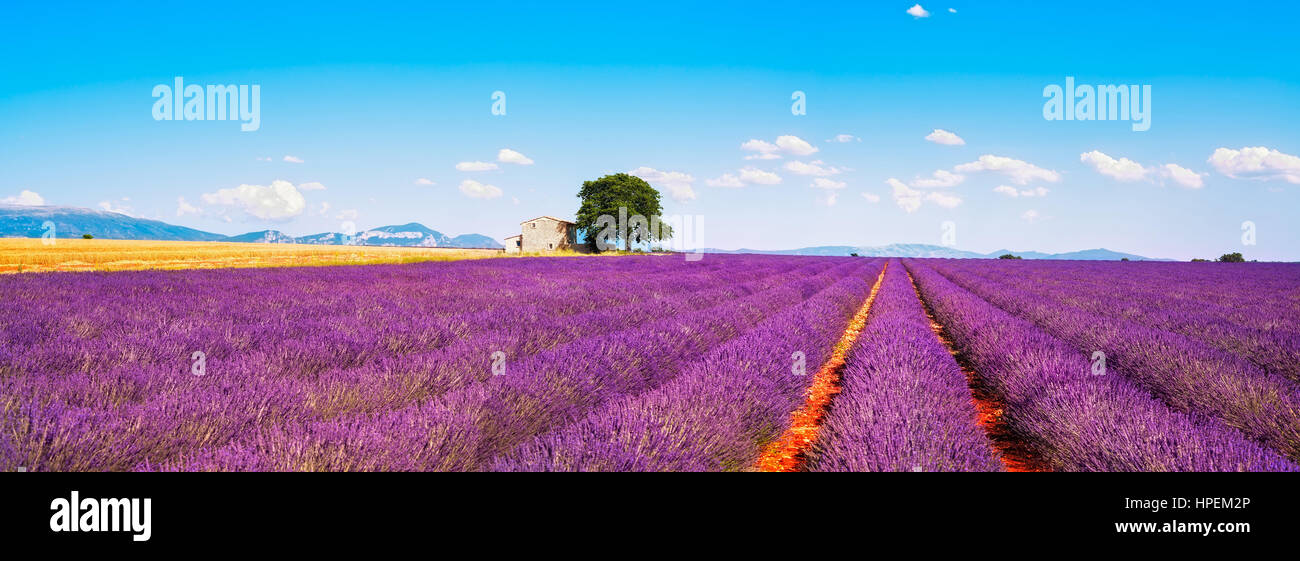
column 30, row 255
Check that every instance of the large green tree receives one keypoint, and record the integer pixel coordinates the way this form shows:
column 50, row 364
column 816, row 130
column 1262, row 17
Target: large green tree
column 599, row 214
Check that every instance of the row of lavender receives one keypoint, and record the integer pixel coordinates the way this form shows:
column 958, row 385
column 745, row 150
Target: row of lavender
column 904, row 404
column 465, row 429
column 1250, row 310
column 1186, row 372
column 718, row 412
column 1079, row 421
column 98, row 376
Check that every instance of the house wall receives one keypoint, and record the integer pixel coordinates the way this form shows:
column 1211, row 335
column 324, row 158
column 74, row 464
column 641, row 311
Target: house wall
column 512, row 244
column 545, row 234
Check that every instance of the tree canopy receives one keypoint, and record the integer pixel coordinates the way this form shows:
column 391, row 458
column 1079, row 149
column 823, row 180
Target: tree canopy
column 1232, row 258
column 599, row 214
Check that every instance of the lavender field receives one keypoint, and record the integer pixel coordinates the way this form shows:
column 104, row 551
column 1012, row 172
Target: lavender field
column 655, row 363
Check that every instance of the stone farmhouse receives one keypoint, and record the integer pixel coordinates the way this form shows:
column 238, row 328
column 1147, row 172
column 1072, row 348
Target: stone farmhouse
column 542, row 234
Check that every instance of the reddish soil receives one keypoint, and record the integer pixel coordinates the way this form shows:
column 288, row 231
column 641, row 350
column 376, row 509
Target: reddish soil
column 790, row 451
column 1015, row 452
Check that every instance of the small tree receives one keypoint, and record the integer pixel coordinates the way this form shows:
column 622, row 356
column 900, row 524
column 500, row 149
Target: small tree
column 1008, row 256
column 1232, row 258
column 1199, row 260
column 87, row 237
column 854, row 254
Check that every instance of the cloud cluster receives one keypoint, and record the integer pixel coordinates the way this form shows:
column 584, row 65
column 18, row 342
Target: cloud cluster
column 678, row 184
column 940, row 136
column 910, row 200
column 278, row 201
column 1018, row 171
column 815, row 167
column 1257, row 163
column 823, row 183
column 1126, row 170
column 785, row 145
column 508, row 156
column 475, row 190
column 110, row 206
column 1014, row 193
column 183, row 207
column 918, row 12
column 24, row 198
column 940, row 179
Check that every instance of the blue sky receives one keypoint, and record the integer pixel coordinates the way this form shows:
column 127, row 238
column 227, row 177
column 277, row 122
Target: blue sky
column 370, row 103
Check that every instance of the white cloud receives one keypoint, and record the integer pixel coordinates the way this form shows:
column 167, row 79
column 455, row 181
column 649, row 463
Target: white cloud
column 910, row 199
column 183, row 207
column 313, row 186
column 828, row 198
column 475, row 166
column 423, row 181
column 1019, row 171
column 952, row 10
column 871, row 197
column 944, row 200
column 514, row 200
column 324, row 208
column 940, row 136
column 278, row 201
column 816, row 167
column 110, row 207
column 755, row 175
column 24, row 198
column 844, row 138
column 726, row 180
column 766, row 150
column 509, row 156
column 348, row 214
column 476, row 190
column 823, row 183
column 293, row 159
column 677, row 183
column 1122, row 169
column 907, row 198
column 1031, row 216
column 1013, row 192
column 748, row 175
column 795, row 145
column 918, row 12
column 1258, row 162
column 785, row 144
column 1182, row 176
column 940, row 179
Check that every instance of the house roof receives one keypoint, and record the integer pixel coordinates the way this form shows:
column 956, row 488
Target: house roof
column 547, row 217
column 515, row 236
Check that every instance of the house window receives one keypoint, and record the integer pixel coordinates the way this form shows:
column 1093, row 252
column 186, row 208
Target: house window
column 534, row 225
column 550, row 246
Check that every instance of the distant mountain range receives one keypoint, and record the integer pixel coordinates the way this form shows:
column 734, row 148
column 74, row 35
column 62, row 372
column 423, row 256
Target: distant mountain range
column 924, row 250
column 72, row 222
